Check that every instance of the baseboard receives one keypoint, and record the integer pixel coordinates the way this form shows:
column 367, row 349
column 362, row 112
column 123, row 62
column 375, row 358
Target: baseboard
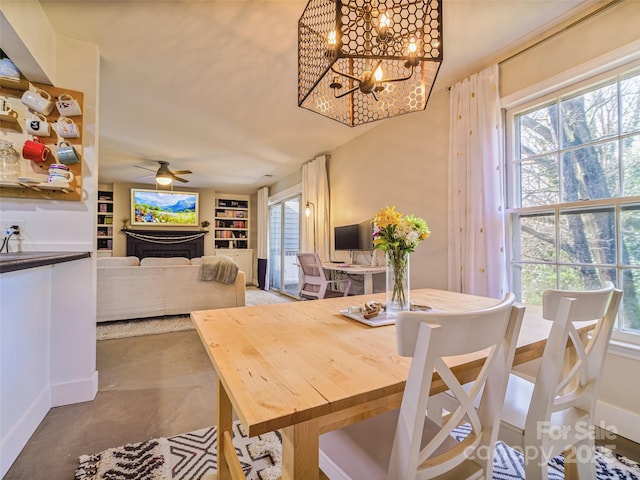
column 74, row 392
column 15, row 440
column 617, row 420
column 330, row 469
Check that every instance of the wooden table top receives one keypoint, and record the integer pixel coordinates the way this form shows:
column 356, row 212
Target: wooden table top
column 286, row 363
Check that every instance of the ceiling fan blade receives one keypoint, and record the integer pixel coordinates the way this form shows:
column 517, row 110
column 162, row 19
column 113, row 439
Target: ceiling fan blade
column 145, row 168
column 183, row 180
column 181, row 172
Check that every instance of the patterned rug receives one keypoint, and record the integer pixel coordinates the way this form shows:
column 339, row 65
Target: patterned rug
column 192, row 456
column 175, row 323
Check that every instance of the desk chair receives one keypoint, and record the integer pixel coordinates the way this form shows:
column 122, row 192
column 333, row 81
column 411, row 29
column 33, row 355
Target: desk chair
column 405, row 444
column 563, row 398
column 314, row 283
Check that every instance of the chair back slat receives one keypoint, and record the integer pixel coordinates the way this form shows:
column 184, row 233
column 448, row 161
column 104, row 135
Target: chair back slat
column 431, row 337
column 560, row 385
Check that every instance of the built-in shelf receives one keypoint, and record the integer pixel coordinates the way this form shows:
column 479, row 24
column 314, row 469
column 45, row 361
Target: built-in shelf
column 104, row 229
column 231, row 222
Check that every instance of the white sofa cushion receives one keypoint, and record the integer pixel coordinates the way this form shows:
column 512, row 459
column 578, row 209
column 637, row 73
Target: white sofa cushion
column 118, row 262
column 163, row 262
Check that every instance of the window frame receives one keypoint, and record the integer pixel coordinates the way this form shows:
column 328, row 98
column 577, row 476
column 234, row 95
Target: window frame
column 587, row 80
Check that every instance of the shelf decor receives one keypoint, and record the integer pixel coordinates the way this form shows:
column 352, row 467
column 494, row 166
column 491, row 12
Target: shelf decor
column 359, row 62
column 398, row 235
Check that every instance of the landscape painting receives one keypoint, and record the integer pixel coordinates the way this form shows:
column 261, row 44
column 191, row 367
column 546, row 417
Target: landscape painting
column 156, row 208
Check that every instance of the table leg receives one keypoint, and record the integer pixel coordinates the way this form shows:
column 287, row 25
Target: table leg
column 368, row 283
column 300, row 451
column 224, row 424
column 570, row 467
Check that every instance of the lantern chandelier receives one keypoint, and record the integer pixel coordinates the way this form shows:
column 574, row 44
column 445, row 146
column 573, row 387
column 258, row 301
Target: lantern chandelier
column 360, row 61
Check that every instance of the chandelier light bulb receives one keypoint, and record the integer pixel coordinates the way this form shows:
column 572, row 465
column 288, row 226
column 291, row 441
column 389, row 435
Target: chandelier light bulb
column 331, row 39
column 378, row 74
column 412, row 47
column 385, row 23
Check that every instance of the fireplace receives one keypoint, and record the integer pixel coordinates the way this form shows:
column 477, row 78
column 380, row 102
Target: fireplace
column 164, row 243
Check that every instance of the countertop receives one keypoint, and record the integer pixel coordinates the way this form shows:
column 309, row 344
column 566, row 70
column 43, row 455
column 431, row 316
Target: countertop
column 13, row 261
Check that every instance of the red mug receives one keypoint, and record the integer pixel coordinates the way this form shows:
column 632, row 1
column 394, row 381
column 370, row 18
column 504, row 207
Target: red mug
column 35, row 150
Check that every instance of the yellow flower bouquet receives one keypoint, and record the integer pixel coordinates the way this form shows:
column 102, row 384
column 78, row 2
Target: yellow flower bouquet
column 398, row 235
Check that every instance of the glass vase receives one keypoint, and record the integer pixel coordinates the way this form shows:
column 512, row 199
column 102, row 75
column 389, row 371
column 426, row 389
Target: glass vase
column 397, row 281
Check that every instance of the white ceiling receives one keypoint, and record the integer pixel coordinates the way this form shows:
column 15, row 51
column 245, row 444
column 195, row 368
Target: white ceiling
column 210, row 85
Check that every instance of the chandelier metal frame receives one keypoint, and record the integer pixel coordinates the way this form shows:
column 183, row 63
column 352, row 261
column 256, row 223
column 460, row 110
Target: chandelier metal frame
column 360, row 61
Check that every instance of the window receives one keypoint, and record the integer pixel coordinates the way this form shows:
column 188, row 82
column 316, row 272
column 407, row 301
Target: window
column 574, row 192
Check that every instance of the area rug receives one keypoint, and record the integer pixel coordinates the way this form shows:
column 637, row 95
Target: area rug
column 175, row 323
column 192, row 456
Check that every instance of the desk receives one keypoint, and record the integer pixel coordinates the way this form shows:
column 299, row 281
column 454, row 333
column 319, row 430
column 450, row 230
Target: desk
column 364, row 270
column 305, row 369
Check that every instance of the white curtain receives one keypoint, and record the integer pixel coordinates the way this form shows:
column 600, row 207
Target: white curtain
column 477, row 263
column 315, row 189
column 263, row 236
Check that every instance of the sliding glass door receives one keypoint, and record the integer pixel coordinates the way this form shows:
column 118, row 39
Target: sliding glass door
column 284, row 243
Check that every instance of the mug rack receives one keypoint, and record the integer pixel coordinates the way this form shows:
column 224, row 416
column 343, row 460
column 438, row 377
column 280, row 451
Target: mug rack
column 15, row 132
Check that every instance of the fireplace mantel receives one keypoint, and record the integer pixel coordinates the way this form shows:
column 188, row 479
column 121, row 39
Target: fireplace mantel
column 165, row 243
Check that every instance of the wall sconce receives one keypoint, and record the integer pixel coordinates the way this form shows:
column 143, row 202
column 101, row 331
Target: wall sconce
column 307, row 213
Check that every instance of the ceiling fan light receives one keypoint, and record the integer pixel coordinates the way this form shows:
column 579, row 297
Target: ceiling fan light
column 164, row 180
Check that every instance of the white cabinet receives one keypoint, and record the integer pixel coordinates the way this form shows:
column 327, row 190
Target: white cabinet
column 244, row 259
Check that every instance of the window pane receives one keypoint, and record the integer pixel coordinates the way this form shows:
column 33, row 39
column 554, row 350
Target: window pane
column 539, row 182
column 630, row 95
column 585, row 278
column 630, row 308
column 536, row 234
column 535, row 279
column 590, row 173
column 588, row 237
column 631, row 165
column 589, row 117
column 538, row 131
column 630, row 230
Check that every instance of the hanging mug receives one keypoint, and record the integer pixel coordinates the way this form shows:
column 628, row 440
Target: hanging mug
column 59, row 175
column 7, row 113
column 38, row 125
column 38, row 100
column 67, row 128
column 67, row 154
column 35, row 150
column 68, row 106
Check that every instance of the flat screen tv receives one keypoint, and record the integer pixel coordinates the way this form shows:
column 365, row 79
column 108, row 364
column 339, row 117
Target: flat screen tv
column 168, row 208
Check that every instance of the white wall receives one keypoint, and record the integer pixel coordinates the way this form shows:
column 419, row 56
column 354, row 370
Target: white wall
column 403, row 162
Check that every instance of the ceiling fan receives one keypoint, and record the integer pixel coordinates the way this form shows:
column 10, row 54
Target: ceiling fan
column 164, row 176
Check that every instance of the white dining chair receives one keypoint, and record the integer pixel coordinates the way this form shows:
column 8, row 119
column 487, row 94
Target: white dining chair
column 556, row 413
column 314, row 283
column 406, row 444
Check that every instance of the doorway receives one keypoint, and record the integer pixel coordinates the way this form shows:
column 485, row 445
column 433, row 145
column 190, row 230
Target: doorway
column 284, row 244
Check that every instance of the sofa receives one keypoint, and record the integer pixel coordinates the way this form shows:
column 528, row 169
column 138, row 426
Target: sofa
column 131, row 288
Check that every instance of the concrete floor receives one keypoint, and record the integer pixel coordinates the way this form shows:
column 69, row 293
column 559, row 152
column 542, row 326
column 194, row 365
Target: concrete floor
column 149, row 386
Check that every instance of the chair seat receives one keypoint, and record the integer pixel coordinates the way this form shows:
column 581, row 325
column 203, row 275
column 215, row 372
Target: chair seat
column 363, row 453
column 516, row 406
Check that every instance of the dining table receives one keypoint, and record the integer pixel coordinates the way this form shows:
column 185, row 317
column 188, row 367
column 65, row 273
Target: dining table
column 304, row 368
